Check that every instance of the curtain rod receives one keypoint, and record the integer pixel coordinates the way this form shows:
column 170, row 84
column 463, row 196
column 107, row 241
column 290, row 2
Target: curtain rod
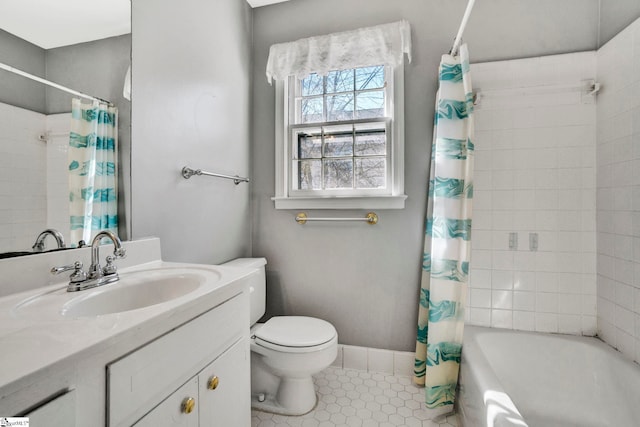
column 463, row 24
column 52, row 84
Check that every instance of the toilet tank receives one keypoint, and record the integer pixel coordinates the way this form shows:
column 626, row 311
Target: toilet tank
column 257, row 286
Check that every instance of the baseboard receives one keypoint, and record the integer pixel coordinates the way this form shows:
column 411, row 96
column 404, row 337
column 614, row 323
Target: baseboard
column 375, row 360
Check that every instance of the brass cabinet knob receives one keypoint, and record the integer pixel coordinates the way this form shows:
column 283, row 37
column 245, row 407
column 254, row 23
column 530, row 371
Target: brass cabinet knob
column 188, row 404
column 213, row 382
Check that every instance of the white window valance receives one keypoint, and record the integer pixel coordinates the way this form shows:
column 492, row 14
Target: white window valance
column 383, row 44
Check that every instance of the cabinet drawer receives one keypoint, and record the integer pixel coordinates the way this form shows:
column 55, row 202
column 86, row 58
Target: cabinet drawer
column 142, row 379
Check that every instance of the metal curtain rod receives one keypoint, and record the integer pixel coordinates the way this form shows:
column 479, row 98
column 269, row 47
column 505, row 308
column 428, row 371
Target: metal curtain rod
column 371, row 218
column 188, row 173
column 52, row 84
column 463, row 24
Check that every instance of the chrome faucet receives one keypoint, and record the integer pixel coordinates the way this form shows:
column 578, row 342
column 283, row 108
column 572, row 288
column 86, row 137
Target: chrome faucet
column 38, row 246
column 95, row 271
column 97, row 275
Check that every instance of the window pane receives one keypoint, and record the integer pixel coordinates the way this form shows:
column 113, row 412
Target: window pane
column 338, row 144
column 309, row 146
column 340, row 81
column 370, row 172
column 309, row 174
column 370, row 104
column 370, row 77
column 370, row 142
column 311, row 110
column 312, row 85
column 340, row 107
column 338, row 173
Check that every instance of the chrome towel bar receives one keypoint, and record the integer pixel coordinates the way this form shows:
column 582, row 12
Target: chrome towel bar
column 371, row 218
column 188, row 173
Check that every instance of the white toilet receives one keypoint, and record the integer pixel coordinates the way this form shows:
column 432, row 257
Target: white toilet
column 285, row 352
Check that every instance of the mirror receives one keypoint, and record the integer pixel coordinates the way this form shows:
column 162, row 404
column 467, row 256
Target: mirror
column 75, row 44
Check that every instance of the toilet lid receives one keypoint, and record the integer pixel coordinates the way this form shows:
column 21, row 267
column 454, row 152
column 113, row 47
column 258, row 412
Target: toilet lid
column 296, row 331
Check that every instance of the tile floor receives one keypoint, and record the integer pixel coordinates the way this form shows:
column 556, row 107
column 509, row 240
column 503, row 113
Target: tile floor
column 350, row 398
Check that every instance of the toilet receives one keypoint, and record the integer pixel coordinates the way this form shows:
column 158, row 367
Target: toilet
column 285, row 352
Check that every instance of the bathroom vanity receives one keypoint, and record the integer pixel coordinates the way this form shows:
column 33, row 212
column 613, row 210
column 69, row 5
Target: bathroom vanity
column 168, row 344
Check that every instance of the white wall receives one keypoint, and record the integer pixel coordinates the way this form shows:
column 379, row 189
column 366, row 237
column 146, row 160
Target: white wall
column 534, row 173
column 191, row 90
column 618, row 197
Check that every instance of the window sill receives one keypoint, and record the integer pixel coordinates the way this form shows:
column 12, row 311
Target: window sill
column 376, row 202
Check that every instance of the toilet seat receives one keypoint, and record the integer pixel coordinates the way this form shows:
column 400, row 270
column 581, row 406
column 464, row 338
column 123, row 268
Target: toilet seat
column 295, row 334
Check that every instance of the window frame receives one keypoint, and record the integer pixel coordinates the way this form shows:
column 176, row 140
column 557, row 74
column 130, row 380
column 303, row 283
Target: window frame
column 393, row 197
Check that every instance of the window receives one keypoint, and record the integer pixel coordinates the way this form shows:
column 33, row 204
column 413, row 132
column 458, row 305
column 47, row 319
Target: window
column 339, row 140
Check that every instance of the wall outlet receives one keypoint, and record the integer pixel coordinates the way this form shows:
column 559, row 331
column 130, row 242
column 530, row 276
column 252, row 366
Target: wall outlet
column 533, row 241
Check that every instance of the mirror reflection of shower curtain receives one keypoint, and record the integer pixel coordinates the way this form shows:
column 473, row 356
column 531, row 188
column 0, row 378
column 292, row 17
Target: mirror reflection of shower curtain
column 93, row 189
column 447, row 244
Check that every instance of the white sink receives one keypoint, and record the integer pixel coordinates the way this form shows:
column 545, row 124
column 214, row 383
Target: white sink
column 135, row 290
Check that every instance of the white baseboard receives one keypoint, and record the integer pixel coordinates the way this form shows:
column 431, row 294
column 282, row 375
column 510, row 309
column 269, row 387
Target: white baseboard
column 375, row 360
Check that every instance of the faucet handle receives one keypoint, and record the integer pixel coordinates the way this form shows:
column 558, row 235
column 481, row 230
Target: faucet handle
column 110, row 268
column 78, row 274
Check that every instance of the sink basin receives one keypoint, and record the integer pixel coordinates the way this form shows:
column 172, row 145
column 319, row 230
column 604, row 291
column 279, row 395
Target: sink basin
column 144, row 293
column 135, row 290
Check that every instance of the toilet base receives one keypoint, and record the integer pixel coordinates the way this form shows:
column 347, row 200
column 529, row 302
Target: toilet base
column 295, row 396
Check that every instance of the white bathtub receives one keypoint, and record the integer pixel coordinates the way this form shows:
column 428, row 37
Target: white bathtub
column 512, row 378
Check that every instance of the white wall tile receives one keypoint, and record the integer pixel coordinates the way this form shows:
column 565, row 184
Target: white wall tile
column 338, row 360
column 380, row 361
column 403, row 363
column 542, row 163
column 524, row 320
column 502, row 319
column 524, row 301
column 546, row 322
column 354, row 357
column 480, row 298
column 22, row 155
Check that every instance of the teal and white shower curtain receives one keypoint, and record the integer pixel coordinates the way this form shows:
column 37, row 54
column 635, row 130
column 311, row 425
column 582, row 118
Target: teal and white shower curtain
column 447, row 244
column 92, row 170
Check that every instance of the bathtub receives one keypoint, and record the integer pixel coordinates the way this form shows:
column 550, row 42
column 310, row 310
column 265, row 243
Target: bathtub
column 513, row 378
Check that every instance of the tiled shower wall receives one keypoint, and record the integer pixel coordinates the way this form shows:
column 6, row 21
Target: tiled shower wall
column 34, row 191
column 23, row 207
column 58, row 126
column 535, row 177
column 618, row 192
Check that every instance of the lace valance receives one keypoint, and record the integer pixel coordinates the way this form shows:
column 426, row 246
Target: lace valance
column 382, row 44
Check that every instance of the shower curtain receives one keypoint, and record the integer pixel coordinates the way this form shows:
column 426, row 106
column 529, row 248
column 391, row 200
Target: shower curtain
column 92, row 170
column 447, row 243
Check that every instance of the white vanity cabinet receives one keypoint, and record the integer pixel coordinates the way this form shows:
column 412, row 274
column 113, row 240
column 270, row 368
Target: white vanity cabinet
column 206, row 360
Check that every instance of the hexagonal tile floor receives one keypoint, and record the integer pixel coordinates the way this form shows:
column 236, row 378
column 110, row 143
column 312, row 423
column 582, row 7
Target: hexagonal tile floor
column 350, row 398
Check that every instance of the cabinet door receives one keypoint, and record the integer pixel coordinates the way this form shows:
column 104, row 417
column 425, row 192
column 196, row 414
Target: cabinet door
column 225, row 397
column 172, row 412
column 59, row 412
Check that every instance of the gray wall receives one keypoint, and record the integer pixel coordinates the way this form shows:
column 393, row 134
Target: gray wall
column 616, row 15
column 191, row 92
column 363, row 279
column 16, row 90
